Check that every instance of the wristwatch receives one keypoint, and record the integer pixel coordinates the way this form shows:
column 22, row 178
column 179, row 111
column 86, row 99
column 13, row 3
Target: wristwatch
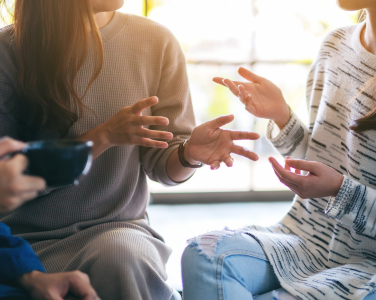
column 182, row 159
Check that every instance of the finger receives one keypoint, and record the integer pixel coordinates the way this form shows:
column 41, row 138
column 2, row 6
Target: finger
column 83, row 289
column 18, row 163
column 151, row 120
column 8, row 145
column 242, row 94
column 31, row 183
column 228, row 160
column 286, row 166
column 284, row 174
column 311, row 166
column 141, row 105
column 244, row 152
column 145, row 142
column 219, row 122
column 215, row 165
column 290, row 185
column 219, row 80
column 297, row 171
column 28, row 196
column 156, row 135
column 232, row 87
column 244, row 135
column 252, row 77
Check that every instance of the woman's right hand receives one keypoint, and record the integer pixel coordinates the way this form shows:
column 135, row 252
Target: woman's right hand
column 15, row 187
column 261, row 97
column 127, row 127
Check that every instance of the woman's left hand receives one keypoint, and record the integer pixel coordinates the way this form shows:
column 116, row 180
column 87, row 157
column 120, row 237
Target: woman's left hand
column 212, row 145
column 321, row 181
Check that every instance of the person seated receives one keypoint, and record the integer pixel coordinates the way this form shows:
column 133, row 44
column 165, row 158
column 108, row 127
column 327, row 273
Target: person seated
column 22, row 275
column 82, row 70
column 325, row 246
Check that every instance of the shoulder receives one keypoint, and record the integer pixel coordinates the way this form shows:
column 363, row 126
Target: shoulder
column 8, row 55
column 148, row 33
column 341, row 37
column 149, row 27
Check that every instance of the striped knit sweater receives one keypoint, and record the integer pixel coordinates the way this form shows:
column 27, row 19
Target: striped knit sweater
column 324, row 250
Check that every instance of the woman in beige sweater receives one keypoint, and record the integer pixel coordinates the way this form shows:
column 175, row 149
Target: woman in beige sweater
column 61, row 76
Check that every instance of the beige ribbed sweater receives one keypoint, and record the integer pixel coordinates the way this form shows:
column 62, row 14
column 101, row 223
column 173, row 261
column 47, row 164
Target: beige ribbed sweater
column 142, row 59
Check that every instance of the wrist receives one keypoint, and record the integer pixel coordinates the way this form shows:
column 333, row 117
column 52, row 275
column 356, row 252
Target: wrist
column 286, row 116
column 188, row 156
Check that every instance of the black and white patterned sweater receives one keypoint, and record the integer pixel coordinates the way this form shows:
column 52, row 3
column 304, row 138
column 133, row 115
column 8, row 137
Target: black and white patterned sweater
column 321, row 250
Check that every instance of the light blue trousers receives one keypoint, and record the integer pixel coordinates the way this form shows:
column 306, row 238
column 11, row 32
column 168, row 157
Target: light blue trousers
column 238, row 270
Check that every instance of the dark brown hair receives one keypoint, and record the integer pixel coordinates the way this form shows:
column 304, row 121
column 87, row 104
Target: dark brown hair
column 52, row 41
column 367, row 122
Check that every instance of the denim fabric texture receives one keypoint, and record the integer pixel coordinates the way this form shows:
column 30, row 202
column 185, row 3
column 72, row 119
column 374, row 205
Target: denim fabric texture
column 237, row 269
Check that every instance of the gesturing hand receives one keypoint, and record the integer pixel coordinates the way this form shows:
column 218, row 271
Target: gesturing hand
column 127, row 127
column 321, row 181
column 261, row 97
column 58, row 286
column 212, row 145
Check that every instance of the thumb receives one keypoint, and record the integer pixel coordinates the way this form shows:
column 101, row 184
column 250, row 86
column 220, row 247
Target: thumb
column 219, row 122
column 8, row 145
column 310, row 166
column 246, row 74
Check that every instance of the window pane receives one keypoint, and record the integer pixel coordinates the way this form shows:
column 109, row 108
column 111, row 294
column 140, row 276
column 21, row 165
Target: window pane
column 291, row 78
column 209, row 29
column 294, row 29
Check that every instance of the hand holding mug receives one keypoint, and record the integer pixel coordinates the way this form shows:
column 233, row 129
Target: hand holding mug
column 261, row 97
column 127, row 127
column 15, row 187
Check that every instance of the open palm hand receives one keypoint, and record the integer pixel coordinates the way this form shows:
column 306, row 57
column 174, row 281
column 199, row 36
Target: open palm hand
column 261, row 97
column 212, row 145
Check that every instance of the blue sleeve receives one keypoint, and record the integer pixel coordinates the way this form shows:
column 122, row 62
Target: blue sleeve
column 16, row 256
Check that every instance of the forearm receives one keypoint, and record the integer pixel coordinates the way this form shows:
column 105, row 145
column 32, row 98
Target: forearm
column 100, row 142
column 176, row 171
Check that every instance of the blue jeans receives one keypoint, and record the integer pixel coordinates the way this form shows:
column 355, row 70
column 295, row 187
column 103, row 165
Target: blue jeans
column 238, row 269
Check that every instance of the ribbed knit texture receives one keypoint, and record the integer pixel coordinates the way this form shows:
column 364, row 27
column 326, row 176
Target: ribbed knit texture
column 100, row 226
column 330, row 256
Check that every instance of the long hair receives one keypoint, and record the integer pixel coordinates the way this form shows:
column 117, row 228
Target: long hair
column 52, row 40
column 367, row 122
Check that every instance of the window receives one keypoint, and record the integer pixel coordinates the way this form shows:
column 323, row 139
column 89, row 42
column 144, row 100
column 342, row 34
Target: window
column 275, row 39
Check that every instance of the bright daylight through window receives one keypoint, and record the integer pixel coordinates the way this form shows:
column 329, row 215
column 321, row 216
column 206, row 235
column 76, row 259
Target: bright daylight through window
column 217, row 37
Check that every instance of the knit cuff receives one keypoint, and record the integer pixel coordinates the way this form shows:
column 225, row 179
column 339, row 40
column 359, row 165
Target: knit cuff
column 161, row 168
column 290, row 139
column 336, row 205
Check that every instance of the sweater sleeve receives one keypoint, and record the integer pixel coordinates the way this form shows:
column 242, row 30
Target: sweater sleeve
column 174, row 103
column 292, row 140
column 355, row 207
column 16, row 256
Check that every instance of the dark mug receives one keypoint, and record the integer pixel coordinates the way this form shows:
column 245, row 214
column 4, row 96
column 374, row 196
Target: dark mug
column 59, row 162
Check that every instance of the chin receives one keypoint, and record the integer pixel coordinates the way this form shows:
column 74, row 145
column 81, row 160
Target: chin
column 107, row 5
column 356, row 4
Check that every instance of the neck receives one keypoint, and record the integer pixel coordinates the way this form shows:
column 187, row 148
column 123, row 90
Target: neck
column 368, row 36
column 103, row 18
